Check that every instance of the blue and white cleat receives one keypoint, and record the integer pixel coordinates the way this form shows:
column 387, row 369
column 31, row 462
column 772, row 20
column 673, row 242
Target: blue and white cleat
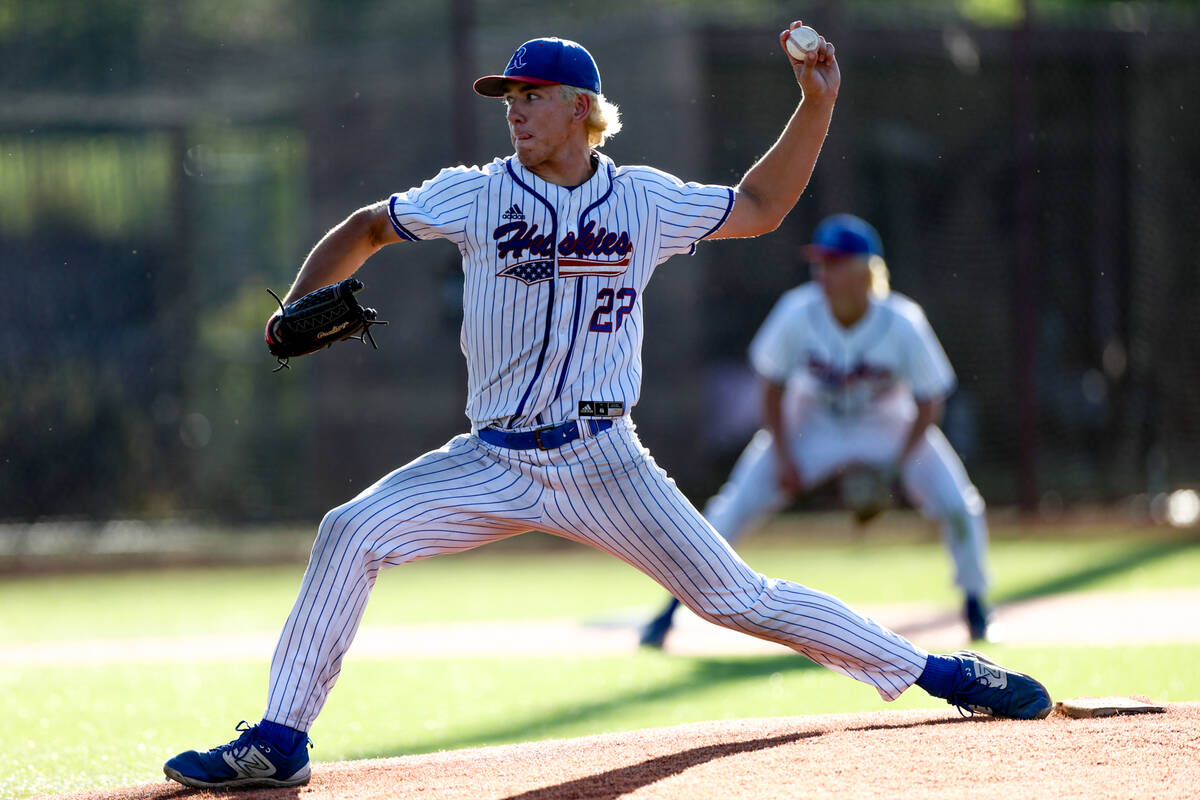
column 248, row 760
column 985, row 687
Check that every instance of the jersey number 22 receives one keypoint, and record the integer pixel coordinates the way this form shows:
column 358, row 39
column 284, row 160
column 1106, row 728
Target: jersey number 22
column 603, row 319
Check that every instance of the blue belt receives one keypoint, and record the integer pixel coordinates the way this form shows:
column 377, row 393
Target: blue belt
column 550, row 437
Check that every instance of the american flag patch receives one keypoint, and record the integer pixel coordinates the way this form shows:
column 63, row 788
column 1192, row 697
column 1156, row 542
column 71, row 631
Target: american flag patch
column 530, row 272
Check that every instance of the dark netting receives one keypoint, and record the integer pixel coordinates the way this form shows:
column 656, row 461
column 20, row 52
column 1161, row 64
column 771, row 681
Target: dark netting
column 160, row 167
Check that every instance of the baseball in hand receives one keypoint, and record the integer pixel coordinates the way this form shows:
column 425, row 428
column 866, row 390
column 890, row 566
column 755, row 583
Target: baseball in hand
column 802, row 41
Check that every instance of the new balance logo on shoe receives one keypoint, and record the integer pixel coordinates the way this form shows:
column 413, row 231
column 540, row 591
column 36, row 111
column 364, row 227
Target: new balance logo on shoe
column 514, row 212
column 990, row 677
column 250, row 763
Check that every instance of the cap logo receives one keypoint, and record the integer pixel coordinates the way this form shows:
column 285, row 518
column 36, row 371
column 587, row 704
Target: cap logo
column 518, row 60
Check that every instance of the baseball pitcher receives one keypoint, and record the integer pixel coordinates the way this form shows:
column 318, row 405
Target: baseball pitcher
column 558, row 244
column 853, row 384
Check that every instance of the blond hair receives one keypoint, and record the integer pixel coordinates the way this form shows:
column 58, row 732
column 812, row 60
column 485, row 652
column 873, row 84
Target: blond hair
column 604, row 120
column 881, row 284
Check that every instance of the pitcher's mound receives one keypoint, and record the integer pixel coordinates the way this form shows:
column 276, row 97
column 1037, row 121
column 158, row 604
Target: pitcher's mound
column 909, row 754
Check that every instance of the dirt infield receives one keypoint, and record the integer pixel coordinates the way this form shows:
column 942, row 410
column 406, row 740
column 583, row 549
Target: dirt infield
column 910, row 754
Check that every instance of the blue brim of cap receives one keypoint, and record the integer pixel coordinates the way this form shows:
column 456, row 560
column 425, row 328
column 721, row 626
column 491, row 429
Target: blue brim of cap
column 493, row 85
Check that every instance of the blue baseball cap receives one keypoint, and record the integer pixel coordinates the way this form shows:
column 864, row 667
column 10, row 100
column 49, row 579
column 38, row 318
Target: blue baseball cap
column 545, row 61
column 844, row 235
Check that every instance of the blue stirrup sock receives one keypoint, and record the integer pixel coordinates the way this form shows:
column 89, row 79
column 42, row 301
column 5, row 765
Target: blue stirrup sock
column 940, row 676
column 281, row 737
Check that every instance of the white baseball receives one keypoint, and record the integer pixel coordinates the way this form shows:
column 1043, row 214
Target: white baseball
column 802, row 41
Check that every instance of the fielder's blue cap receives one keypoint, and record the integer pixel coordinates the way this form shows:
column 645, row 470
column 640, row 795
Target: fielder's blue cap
column 844, row 235
column 545, row 61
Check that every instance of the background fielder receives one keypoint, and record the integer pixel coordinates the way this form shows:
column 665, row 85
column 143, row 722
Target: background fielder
column 558, row 244
column 852, row 376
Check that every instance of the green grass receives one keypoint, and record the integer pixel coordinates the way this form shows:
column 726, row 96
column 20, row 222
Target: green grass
column 80, row 726
column 510, row 580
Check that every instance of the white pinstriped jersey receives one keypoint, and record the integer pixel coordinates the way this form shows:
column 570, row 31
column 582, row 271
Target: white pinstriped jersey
column 891, row 349
column 554, row 277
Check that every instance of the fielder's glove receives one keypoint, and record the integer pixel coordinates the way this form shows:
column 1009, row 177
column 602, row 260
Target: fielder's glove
column 318, row 319
column 867, row 491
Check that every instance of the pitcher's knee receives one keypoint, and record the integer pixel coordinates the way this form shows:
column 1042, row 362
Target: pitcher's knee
column 330, row 533
column 336, row 523
column 344, row 533
column 728, row 605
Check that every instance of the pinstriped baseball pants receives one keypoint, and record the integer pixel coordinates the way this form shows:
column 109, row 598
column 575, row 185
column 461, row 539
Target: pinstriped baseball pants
column 605, row 491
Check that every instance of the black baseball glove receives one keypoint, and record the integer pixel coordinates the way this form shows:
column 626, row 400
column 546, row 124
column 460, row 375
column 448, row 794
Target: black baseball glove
column 867, row 491
column 318, row 319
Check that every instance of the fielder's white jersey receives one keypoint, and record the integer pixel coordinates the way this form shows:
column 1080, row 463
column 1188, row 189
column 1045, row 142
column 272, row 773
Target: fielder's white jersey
column 554, row 277
column 859, row 387
column 891, row 350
